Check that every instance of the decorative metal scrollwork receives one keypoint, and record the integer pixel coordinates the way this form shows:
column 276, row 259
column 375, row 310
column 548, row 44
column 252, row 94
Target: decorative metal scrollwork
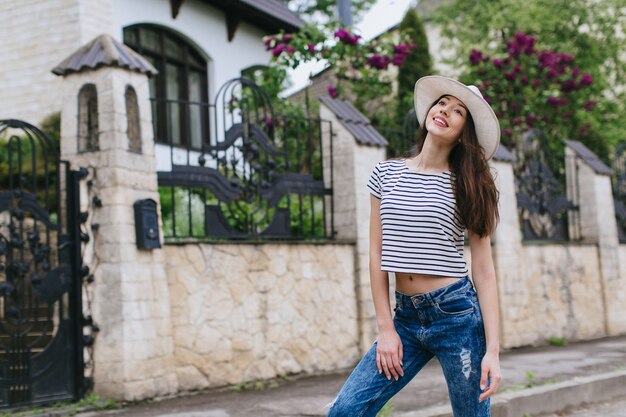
column 258, row 173
column 541, row 200
column 402, row 141
column 248, row 157
column 619, row 189
column 40, row 356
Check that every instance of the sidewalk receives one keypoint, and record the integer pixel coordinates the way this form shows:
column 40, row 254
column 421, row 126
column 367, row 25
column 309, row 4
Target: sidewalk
column 560, row 376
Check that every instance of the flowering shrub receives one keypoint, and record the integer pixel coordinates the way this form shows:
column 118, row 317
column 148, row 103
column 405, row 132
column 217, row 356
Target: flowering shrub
column 530, row 88
column 352, row 59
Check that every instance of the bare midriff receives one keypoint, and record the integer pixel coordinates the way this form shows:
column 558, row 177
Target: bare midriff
column 411, row 284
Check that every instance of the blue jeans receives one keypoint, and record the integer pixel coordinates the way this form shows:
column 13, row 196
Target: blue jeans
column 445, row 323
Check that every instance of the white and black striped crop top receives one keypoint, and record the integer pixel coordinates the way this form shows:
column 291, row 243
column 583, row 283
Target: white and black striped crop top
column 422, row 230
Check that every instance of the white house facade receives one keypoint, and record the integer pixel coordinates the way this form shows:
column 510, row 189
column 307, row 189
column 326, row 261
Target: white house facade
column 225, row 37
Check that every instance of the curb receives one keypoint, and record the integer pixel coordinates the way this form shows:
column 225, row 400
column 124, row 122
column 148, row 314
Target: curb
column 545, row 399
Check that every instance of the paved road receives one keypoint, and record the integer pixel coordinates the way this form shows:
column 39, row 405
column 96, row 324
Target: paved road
column 308, row 396
column 615, row 408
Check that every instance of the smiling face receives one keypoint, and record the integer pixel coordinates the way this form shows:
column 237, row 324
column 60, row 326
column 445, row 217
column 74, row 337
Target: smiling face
column 445, row 120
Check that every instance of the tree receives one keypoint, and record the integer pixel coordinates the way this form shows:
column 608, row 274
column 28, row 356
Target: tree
column 592, row 31
column 359, row 65
column 534, row 88
column 416, row 65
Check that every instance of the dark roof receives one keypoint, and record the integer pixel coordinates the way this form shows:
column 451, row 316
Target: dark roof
column 589, row 157
column 503, row 154
column 104, row 51
column 354, row 121
column 272, row 15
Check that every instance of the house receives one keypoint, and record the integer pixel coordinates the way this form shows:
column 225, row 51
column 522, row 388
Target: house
column 189, row 49
column 196, row 45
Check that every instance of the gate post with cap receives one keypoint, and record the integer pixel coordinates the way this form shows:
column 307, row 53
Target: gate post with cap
column 106, row 125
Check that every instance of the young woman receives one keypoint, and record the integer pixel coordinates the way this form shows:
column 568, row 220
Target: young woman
column 420, row 210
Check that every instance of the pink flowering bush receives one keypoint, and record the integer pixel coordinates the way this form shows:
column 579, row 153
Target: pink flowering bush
column 361, row 63
column 532, row 88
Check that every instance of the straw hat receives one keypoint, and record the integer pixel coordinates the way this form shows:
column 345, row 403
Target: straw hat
column 430, row 88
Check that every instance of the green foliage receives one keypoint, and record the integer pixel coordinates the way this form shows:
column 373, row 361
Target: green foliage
column 359, row 67
column 386, row 410
column 314, row 10
column 38, row 173
column 94, row 402
column 529, row 383
column 360, row 70
column 51, row 126
column 360, row 63
column 91, row 402
column 416, row 65
column 182, row 211
column 273, row 80
column 557, row 341
column 594, row 34
column 529, row 87
column 530, row 379
column 258, row 385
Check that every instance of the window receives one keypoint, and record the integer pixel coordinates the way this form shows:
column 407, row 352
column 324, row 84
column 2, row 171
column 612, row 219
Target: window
column 179, row 93
column 133, row 121
column 88, row 118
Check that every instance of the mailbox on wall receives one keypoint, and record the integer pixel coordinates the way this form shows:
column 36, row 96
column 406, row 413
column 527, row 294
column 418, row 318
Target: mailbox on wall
column 147, row 224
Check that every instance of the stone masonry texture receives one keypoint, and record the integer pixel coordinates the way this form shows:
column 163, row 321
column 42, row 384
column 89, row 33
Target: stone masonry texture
column 243, row 312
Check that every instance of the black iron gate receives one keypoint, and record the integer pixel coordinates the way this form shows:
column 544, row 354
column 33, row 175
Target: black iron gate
column 41, row 353
column 546, row 213
column 618, row 164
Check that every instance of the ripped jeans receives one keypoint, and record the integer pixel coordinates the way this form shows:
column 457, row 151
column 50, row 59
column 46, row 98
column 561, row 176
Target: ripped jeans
column 445, row 323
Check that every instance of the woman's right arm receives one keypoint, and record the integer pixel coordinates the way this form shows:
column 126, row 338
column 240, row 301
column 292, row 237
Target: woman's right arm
column 389, row 346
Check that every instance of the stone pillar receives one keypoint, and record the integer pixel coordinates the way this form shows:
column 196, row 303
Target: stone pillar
column 353, row 163
column 593, row 194
column 133, row 351
column 507, row 246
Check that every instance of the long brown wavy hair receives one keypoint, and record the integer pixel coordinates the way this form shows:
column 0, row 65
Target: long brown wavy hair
column 475, row 190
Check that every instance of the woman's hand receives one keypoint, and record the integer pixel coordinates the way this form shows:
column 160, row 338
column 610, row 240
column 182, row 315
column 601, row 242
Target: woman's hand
column 490, row 371
column 389, row 354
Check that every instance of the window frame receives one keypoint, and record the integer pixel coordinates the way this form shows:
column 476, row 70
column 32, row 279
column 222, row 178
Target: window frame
column 190, row 60
column 88, row 135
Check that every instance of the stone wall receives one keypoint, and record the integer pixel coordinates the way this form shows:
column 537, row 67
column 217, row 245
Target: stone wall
column 242, row 312
column 353, row 163
column 575, row 289
column 554, row 291
column 599, row 226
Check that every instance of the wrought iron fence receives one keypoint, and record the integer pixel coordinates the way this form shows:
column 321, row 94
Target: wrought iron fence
column 544, row 209
column 401, row 140
column 236, row 170
column 618, row 163
column 41, row 318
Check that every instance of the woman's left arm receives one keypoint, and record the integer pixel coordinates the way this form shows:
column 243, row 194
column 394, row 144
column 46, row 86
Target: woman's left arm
column 484, row 278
